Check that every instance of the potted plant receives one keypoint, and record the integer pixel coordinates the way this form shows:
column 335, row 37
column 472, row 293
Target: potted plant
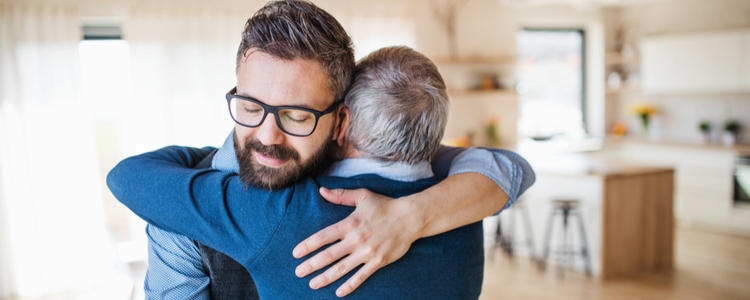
column 705, row 128
column 731, row 129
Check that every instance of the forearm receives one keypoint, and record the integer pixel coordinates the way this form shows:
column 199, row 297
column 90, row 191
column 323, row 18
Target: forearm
column 206, row 205
column 457, row 201
column 161, row 188
column 482, row 182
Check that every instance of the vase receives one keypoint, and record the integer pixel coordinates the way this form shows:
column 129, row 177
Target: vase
column 729, row 139
column 493, row 138
column 645, row 125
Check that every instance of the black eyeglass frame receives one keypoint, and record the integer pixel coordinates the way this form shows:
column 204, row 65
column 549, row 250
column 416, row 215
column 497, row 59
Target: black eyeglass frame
column 275, row 109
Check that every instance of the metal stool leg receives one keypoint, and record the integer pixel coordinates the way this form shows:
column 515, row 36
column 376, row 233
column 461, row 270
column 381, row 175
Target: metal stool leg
column 547, row 236
column 499, row 233
column 565, row 253
column 569, row 250
column 511, row 232
column 584, row 242
column 529, row 232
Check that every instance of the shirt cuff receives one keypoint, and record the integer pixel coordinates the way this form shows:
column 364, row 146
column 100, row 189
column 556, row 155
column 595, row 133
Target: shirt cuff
column 496, row 165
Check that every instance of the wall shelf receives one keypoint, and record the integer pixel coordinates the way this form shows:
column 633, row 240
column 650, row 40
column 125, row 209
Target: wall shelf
column 617, row 59
column 623, row 90
column 472, row 93
column 498, row 60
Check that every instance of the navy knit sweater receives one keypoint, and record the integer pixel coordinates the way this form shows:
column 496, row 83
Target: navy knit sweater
column 259, row 228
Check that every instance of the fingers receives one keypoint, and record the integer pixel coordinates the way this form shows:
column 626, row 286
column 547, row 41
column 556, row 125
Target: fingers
column 343, row 197
column 335, row 272
column 324, row 237
column 345, row 266
column 321, row 260
column 355, row 281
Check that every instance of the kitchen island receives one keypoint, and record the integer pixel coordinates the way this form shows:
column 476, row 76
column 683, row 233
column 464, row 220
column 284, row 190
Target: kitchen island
column 627, row 210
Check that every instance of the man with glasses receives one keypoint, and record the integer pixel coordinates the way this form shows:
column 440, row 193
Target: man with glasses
column 293, row 54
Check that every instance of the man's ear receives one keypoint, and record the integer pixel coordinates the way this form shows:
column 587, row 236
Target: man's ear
column 339, row 133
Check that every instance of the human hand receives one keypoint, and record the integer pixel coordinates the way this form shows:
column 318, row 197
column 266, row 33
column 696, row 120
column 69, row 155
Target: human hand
column 377, row 233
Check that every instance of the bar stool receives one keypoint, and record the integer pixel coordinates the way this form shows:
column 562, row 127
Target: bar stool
column 507, row 241
column 566, row 208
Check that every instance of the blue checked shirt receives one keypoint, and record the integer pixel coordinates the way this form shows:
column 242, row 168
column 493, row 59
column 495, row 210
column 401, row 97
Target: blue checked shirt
column 175, row 269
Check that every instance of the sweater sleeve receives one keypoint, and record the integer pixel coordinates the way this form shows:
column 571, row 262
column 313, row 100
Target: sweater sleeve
column 210, row 206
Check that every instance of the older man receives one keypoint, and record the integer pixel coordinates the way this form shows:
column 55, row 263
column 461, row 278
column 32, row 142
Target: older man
column 294, row 57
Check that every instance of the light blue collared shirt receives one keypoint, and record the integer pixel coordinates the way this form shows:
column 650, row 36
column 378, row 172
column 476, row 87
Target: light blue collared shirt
column 175, row 268
column 351, row 167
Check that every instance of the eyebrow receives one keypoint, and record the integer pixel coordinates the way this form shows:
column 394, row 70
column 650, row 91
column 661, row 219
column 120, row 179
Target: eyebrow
column 304, row 105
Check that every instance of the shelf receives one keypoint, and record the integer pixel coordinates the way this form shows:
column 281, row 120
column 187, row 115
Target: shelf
column 497, row 92
column 498, row 60
column 623, row 90
column 616, row 58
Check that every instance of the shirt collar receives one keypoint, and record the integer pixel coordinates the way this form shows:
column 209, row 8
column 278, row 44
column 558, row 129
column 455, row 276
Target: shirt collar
column 226, row 159
column 392, row 170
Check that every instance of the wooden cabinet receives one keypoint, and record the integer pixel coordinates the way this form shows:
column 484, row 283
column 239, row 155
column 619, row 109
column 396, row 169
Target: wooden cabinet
column 638, row 222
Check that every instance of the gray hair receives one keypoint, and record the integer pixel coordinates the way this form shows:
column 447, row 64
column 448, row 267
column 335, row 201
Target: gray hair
column 399, row 106
column 294, row 29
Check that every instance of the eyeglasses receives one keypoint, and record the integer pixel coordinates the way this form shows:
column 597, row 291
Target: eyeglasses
column 292, row 120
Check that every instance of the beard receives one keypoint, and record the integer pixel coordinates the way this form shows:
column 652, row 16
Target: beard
column 254, row 173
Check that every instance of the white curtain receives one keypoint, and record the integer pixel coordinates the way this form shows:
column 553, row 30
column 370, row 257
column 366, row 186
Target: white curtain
column 51, row 212
column 183, row 62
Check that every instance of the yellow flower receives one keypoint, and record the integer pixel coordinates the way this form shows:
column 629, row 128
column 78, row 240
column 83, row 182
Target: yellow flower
column 644, row 109
column 492, row 120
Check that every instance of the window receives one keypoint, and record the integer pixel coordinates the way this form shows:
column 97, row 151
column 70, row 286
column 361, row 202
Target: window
column 551, row 83
column 106, row 76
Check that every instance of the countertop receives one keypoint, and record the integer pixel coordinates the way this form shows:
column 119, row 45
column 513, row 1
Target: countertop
column 743, row 149
column 585, row 164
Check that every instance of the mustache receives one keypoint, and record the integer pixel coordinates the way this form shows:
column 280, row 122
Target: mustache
column 272, row 151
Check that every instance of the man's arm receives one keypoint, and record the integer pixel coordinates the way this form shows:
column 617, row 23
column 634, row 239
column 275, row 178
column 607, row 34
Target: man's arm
column 206, row 205
column 377, row 233
column 175, row 269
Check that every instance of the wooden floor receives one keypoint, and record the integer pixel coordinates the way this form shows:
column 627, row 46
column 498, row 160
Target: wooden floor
column 708, row 266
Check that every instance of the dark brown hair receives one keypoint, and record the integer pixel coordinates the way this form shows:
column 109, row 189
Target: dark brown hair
column 295, row 29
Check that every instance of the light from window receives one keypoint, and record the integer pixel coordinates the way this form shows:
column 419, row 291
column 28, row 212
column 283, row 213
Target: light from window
column 550, row 73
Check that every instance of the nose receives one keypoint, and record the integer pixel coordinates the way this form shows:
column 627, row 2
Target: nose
column 269, row 133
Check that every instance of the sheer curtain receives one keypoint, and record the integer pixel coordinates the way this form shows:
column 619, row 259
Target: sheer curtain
column 183, row 62
column 51, row 214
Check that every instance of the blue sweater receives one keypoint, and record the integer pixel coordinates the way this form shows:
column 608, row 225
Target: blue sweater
column 259, row 228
